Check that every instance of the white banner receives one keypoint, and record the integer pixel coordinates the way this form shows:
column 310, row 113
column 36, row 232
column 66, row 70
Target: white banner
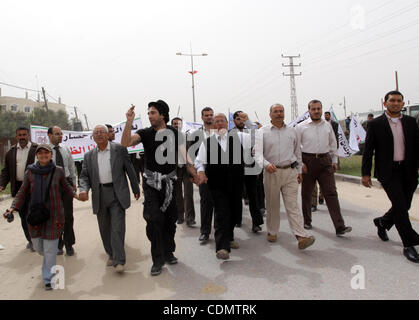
column 357, row 133
column 297, row 121
column 80, row 143
column 190, row 127
column 345, row 150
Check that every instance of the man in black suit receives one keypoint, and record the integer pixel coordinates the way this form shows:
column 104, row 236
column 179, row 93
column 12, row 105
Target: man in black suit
column 395, row 140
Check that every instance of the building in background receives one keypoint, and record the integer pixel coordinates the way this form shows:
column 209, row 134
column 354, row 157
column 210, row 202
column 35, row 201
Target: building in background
column 27, row 105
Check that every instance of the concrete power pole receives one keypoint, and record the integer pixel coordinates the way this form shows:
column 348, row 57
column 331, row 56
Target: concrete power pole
column 45, row 98
column 292, row 75
column 87, row 124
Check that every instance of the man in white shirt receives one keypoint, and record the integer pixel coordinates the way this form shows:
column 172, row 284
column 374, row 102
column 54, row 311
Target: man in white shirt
column 194, row 141
column 278, row 150
column 61, row 155
column 320, row 162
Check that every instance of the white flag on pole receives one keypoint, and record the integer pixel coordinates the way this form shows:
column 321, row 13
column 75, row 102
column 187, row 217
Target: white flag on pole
column 344, row 150
column 357, row 134
column 189, row 127
column 300, row 119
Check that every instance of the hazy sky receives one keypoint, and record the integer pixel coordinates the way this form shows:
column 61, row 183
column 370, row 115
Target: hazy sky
column 101, row 56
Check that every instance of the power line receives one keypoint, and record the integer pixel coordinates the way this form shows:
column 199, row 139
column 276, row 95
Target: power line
column 18, row 87
column 380, row 21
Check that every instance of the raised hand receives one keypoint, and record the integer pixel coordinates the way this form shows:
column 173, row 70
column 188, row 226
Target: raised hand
column 130, row 113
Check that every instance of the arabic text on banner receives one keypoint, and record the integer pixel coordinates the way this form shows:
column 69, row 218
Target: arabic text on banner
column 81, row 142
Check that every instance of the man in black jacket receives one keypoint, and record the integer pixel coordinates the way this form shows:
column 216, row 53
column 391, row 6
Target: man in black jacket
column 18, row 158
column 395, row 140
column 220, row 165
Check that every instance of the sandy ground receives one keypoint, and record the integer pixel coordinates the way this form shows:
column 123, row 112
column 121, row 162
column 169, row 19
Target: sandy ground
column 258, row 270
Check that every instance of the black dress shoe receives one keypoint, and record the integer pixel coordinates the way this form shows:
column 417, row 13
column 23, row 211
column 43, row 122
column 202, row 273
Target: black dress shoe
column 307, row 226
column 382, row 232
column 156, row 269
column 48, row 287
column 256, row 228
column 191, row 223
column 313, row 209
column 321, row 201
column 60, row 252
column 171, row 259
column 69, row 251
column 30, row 246
column 204, row 237
column 341, row 231
column 411, row 254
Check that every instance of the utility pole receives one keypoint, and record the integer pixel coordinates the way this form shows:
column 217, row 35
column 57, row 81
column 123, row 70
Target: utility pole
column 45, row 99
column 87, row 124
column 397, row 81
column 292, row 75
column 75, row 112
column 192, row 72
column 344, row 105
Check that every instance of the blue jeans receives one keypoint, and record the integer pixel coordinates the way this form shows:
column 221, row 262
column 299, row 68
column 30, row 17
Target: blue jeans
column 48, row 249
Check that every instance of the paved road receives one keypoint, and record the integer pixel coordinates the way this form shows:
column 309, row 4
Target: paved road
column 258, row 270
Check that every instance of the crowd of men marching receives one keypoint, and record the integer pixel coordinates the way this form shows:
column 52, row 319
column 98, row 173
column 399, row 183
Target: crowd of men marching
column 251, row 161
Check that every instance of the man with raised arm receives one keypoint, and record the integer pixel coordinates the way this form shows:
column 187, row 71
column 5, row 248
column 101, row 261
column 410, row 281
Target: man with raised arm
column 161, row 148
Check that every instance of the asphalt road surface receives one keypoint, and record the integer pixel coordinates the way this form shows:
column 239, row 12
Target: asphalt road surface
column 333, row 268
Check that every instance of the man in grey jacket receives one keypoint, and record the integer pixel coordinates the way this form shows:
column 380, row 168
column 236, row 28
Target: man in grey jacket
column 104, row 171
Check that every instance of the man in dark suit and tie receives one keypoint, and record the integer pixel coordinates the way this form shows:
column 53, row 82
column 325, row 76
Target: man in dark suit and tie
column 394, row 138
column 104, row 171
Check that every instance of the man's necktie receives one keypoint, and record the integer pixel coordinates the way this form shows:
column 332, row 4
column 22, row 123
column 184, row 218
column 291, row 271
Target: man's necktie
column 58, row 157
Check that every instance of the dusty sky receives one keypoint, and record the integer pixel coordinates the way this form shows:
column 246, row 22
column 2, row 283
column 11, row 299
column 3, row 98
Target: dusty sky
column 101, row 56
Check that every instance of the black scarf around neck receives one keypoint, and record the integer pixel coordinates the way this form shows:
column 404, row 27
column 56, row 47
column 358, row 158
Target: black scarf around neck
column 40, row 184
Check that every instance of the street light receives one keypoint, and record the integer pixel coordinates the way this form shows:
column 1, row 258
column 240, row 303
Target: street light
column 192, row 72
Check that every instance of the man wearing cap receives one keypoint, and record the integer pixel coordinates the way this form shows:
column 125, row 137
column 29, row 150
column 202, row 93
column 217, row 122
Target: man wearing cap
column 161, row 147
column 18, row 158
column 105, row 171
column 61, row 155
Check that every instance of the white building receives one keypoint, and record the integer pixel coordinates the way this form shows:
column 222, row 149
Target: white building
column 27, row 105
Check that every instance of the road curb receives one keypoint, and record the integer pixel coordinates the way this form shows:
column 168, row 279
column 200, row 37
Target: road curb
column 375, row 182
column 357, row 180
column 4, row 198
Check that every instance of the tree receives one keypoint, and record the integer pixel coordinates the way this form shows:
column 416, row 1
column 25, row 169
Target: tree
column 9, row 121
